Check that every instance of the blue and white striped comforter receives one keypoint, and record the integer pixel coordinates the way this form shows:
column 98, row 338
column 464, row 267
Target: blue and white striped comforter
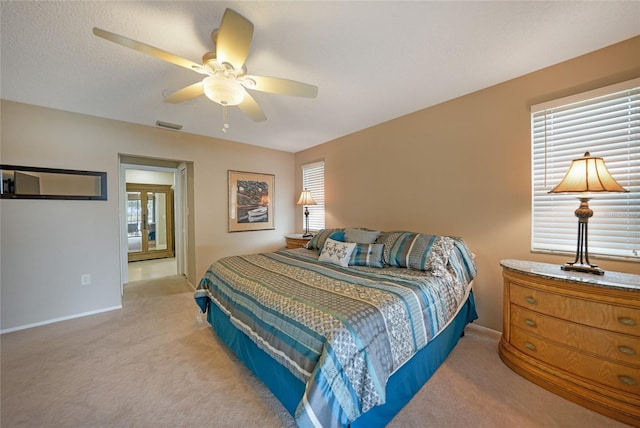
column 341, row 331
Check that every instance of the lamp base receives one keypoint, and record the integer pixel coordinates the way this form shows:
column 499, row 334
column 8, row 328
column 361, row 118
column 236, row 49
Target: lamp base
column 582, row 268
column 306, row 221
column 582, row 253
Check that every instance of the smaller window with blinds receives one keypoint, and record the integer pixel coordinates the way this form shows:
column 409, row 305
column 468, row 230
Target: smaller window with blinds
column 606, row 123
column 313, row 180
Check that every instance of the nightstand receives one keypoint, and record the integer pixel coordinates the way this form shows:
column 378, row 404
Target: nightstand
column 295, row 240
column 575, row 334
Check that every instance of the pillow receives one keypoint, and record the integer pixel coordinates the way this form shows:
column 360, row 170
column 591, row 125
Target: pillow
column 430, row 253
column 395, row 247
column 337, row 236
column 336, row 252
column 361, row 236
column 461, row 261
column 367, row 255
column 317, row 242
column 416, row 250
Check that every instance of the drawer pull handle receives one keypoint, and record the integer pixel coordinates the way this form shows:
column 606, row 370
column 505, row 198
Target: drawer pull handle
column 533, row 301
column 627, row 321
column 626, row 350
column 627, row 380
column 530, row 323
column 530, row 346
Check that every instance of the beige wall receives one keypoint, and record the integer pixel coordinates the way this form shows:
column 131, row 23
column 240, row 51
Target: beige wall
column 459, row 168
column 47, row 245
column 462, row 168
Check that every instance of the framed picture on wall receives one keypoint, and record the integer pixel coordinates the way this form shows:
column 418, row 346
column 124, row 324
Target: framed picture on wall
column 251, row 201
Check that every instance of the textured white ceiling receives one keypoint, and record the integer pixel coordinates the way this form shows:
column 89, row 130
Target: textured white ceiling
column 372, row 61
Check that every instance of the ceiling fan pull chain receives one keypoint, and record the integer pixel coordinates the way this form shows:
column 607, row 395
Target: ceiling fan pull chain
column 224, row 118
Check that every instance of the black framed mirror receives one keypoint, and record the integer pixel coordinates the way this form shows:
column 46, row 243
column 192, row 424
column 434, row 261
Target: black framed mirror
column 27, row 182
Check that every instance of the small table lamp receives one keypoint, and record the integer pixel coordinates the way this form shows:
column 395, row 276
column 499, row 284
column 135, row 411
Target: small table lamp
column 586, row 174
column 306, row 199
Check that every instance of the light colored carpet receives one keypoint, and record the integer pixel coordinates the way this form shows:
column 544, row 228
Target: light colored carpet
column 151, row 364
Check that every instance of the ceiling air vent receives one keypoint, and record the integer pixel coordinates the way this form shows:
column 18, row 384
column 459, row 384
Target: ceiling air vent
column 167, row 125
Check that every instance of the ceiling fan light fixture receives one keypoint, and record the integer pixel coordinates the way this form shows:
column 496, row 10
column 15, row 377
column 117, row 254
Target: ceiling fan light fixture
column 222, row 90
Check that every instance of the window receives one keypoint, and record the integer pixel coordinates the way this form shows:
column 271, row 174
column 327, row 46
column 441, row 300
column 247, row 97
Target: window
column 606, row 123
column 313, row 180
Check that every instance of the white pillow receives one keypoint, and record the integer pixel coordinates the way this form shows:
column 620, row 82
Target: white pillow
column 336, row 252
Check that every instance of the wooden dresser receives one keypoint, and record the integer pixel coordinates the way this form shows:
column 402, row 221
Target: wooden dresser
column 295, row 240
column 575, row 334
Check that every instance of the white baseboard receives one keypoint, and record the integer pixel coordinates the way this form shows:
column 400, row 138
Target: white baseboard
column 54, row 320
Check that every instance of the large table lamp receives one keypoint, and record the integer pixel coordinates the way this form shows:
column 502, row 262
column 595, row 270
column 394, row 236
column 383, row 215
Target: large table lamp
column 586, row 175
column 306, row 199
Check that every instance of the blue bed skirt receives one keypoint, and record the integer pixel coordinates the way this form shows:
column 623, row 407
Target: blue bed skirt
column 401, row 386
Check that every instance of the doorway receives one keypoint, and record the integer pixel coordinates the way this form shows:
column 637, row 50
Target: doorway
column 175, row 174
column 150, row 226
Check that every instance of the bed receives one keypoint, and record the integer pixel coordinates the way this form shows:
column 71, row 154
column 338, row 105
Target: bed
column 345, row 331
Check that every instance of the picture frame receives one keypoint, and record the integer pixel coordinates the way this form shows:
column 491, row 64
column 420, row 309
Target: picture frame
column 251, row 201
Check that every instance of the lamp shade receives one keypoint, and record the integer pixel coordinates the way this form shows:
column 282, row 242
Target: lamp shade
column 223, row 91
column 588, row 174
column 306, row 198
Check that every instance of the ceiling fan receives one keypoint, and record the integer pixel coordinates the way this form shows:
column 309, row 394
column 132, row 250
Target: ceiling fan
column 226, row 78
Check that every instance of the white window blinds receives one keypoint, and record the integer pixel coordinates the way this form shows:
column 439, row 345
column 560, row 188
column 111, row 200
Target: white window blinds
column 606, row 123
column 313, row 180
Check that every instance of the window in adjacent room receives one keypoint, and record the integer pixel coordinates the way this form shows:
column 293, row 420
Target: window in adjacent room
column 313, row 180
column 606, row 123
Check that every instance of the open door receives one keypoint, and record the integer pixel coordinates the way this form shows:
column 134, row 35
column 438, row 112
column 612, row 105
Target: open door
column 181, row 216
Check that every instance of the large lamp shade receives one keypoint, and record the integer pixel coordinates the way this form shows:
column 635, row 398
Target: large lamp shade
column 586, row 175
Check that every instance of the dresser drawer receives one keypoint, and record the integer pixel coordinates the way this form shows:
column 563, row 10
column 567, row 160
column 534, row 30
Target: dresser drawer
column 619, row 376
column 614, row 346
column 588, row 312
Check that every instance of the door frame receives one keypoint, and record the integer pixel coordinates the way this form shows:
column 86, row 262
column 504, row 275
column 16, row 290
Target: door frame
column 180, row 220
column 180, row 224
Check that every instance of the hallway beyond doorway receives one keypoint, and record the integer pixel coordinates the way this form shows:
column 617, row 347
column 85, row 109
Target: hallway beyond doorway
column 152, row 269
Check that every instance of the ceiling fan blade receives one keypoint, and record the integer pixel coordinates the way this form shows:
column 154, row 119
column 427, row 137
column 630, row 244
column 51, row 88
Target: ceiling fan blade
column 144, row 48
column 250, row 107
column 185, row 94
column 234, row 39
column 276, row 85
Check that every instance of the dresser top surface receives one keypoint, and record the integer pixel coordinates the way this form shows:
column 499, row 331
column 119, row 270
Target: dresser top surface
column 297, row 236
column 553, row 271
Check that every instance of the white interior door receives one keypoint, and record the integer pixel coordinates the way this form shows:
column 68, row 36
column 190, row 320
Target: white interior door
column 182, row 214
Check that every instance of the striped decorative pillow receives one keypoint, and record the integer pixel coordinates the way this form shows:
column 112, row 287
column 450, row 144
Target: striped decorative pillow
column 416, row 250
column 367, row 255
column 394, row 245
column 461, row 260
column 318, row 240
